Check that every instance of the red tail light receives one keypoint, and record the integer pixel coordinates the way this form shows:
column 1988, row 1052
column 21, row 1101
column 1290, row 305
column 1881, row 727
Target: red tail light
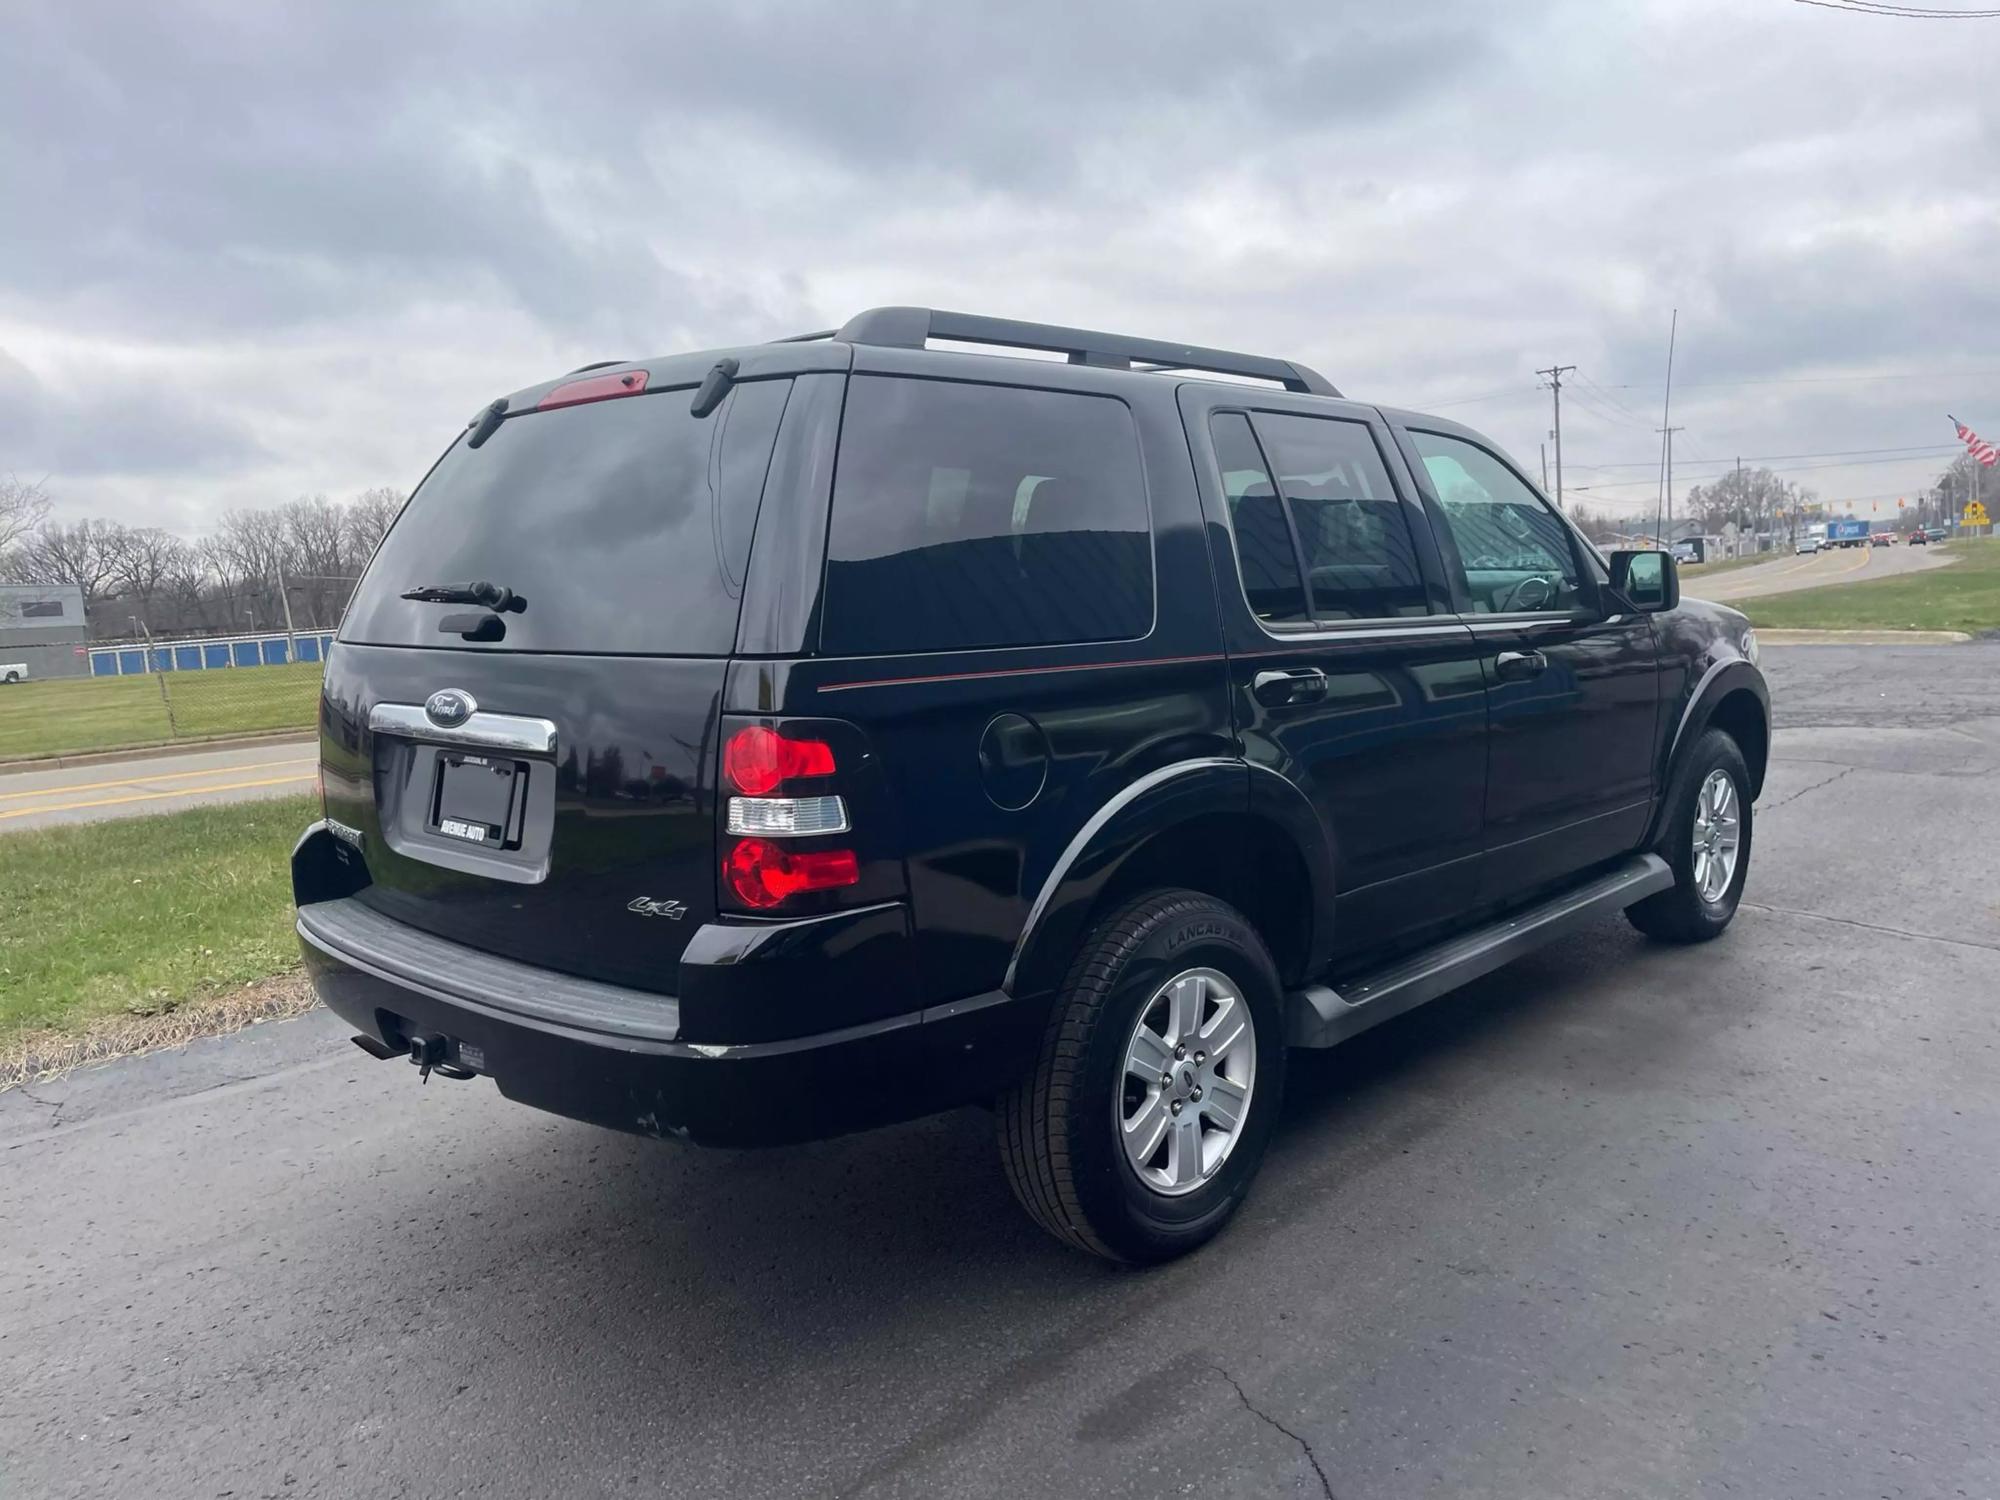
column 596, row 388
column 758, row 761
column 762, row 874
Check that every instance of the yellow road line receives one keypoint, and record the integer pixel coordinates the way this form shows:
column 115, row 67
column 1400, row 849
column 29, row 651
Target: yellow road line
column 98, row 786
column 192, row 791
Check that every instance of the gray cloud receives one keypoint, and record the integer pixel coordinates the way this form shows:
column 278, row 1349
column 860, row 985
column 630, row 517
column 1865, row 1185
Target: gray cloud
column 275, row 252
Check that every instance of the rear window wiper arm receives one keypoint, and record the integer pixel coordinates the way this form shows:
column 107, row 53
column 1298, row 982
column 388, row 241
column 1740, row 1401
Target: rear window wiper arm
column 494, row 596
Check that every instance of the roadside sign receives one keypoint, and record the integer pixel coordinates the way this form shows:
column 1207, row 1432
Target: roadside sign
column 1975, row 514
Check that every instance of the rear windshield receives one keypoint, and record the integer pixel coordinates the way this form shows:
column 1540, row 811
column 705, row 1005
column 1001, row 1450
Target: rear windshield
column 624, row 525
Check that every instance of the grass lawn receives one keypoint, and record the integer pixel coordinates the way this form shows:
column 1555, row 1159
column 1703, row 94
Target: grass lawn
column 1964, row 596
column 138, row 915
column 1694, row 572
column 67, row 715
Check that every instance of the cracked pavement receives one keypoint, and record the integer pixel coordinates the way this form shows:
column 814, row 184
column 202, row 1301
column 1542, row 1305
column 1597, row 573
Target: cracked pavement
column 1620, row 1220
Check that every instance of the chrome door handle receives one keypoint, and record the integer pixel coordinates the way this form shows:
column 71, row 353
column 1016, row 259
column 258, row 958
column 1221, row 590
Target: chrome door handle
column 1292, row 685
column 1519, row 666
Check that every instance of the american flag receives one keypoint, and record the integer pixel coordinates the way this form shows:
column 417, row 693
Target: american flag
column 1976, row 445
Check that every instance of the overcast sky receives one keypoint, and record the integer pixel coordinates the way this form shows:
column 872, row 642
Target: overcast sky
column 252, row 252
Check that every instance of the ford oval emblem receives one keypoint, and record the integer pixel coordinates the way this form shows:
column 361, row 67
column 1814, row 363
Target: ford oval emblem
column 449, row 707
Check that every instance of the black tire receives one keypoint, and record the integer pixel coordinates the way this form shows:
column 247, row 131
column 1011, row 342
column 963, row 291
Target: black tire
column 1680, row 914
column 1058, row 1132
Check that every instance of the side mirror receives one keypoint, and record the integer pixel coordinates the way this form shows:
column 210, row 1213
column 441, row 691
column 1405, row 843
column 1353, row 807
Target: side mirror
column 1648, row 581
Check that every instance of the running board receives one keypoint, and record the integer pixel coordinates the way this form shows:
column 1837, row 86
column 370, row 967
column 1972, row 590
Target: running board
column 1320, row 1017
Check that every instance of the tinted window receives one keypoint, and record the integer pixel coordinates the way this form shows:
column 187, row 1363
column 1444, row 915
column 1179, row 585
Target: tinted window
column 1513, row 551
column 624, row 524
column 980, row 515
column 1361, row 561
column 1264, row 551
column 42, row 609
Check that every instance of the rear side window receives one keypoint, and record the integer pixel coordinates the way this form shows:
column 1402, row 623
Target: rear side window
column 625, row 526
column 980, row 515
column 1354, row 535
column 1264, row 548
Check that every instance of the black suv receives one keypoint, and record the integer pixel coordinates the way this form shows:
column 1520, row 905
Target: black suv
column 760, row 745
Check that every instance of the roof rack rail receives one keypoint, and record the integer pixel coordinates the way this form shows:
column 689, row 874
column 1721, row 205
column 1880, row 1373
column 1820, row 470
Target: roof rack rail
column 909, row 327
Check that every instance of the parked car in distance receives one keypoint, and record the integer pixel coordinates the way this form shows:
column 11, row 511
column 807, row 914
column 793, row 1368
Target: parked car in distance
column 13, row 671
column 1919, row 539
column 1808, row 544
column 1936, row 533
column 1882, row 539
column 863, row 729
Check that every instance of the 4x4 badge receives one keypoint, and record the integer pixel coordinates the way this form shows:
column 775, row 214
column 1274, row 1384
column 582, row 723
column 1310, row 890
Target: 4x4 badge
column 646, row 906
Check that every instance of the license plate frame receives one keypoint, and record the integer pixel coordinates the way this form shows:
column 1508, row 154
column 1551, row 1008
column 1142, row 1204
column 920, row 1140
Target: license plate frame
column 478, row 799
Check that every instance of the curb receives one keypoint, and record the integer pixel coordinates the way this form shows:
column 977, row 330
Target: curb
column 1767, row 637
column 159, row 748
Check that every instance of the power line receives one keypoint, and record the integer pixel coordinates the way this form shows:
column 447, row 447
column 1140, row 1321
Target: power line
column 1616, row 484
column 1918, row 451
column 1593, row 386
column 1901, row 12
column 1594, row 406
column 1688, row 385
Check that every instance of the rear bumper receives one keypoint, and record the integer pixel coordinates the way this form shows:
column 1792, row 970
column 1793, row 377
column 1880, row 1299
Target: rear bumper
column 616, row 1057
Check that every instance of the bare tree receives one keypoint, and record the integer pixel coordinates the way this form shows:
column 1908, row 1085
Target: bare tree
column 84, row 554
column 142, row 558
column 316, row 558
column 369, row 516
column 24, row 505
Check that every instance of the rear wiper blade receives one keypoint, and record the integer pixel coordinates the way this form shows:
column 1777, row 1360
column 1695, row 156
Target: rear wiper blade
column 496, row 597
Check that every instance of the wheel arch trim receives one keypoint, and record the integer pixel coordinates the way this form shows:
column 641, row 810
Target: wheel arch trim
column 1723, row 677
column 1151, row 805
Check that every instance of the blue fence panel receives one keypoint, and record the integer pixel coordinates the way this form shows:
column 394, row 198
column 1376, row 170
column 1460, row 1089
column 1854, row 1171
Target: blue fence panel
column 104, row 664
column 243, row 653
column 162, row 660
column 131, row 663
column 213, row 655
column 274, row 652
column 308, row 648
column 325, row 645
column 187, row 658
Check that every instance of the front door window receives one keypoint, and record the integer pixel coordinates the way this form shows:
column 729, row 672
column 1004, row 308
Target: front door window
column 1515, row 554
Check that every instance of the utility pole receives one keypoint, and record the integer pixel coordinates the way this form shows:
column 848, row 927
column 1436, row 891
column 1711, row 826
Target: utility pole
column 1555, row 374
column 285, row 598
column 1667, row 414
column 1743, row 508
column 1667, row 527
column 1545, row 468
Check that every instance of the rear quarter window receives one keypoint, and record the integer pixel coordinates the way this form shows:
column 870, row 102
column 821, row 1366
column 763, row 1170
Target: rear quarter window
column 972, row 515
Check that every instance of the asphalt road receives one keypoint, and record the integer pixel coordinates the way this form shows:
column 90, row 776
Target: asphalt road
column 162, row 783
column 1620, row 1220
column 1785, row 575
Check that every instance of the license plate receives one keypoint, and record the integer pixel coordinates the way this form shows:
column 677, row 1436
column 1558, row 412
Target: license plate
column 475, row 798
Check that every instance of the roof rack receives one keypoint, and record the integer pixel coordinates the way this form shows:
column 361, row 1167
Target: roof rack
column 909, row 327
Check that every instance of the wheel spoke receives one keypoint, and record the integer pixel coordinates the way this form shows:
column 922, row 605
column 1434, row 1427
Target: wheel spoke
column 1184, row 1007
column 1149, row 1056
column 1227, row 1029
column 1144, row 1129
column 1222, row 1101
column 1184, row 1151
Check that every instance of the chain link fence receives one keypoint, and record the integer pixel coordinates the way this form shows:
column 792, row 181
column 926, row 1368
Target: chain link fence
column 160, row 693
